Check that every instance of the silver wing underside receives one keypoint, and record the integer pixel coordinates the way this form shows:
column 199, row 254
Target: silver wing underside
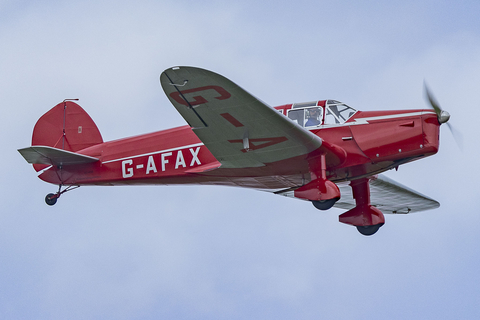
column 387, row 195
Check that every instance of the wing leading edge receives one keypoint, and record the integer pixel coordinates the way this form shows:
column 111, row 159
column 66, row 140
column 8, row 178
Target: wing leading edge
column 238, row 129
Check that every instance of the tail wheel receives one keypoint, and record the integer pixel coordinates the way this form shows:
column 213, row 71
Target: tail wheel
column 51, row 199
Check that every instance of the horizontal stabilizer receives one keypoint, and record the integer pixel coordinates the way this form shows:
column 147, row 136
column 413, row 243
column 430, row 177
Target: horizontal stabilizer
column 53, row 156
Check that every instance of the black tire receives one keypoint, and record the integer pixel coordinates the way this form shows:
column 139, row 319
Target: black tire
column 369, row 230
column 51, row 199
column 324, row 204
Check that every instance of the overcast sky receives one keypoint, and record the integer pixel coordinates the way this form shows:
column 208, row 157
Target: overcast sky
column 196, row 252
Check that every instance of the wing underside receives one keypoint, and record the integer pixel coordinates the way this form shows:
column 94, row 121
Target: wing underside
column 387, row 195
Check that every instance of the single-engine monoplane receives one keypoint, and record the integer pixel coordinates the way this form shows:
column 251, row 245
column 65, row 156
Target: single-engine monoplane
column 324, row 151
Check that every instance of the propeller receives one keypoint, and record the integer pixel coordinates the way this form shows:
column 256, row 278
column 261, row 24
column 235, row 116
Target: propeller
column 443, row 116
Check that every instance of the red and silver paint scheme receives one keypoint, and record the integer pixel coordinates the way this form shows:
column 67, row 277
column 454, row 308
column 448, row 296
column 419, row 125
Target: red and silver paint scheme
column 323, row 151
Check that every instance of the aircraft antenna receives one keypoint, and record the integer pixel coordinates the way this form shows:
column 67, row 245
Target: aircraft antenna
column 64, row 118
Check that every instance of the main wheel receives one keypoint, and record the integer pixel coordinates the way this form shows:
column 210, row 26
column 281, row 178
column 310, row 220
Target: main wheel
column 369, row 230
column 51, row 199
column 324, row 204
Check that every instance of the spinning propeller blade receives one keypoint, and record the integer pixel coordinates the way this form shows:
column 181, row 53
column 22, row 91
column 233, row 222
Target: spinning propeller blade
column 457, row 135
column 443, row 116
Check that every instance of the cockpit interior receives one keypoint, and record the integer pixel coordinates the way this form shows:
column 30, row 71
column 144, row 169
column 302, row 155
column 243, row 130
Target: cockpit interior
column 317, row 113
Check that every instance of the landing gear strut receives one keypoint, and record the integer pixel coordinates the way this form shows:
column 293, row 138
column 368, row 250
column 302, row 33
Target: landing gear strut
column 52, row 198
column 321, row 192
column 364, row 216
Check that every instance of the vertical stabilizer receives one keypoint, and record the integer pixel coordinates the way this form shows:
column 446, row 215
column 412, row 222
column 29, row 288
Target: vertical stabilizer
column 67, row 127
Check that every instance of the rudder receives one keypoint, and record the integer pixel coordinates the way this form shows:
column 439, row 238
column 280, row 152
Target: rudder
column 66, row 126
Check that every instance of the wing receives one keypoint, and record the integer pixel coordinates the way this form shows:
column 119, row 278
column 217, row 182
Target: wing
column 389, row 196
column 53, row 156
column 386, row 194
column 238, row 129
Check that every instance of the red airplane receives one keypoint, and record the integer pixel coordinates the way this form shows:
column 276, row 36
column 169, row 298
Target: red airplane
column 323, row 151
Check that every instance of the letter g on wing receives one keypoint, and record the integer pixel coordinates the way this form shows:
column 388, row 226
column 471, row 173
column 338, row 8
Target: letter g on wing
column 180, row 96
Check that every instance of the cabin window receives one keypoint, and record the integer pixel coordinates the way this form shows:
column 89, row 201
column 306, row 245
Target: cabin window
column 297, row 115
column 306, row 117
column 304, row 104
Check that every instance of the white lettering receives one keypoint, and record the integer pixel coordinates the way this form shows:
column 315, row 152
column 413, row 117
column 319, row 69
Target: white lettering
column 180, row 160
column 164, row 161
column 128, row 167
column 127, row 172
column 151, row 165
column 195, row 156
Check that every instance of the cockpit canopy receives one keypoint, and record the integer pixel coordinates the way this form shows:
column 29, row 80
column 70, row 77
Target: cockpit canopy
column 317, row 113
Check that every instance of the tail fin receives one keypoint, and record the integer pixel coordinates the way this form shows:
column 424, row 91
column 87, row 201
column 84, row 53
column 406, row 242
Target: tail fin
column 67, row 127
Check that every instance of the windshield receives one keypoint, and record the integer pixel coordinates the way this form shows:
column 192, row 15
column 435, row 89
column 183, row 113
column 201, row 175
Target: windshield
column 338, row 113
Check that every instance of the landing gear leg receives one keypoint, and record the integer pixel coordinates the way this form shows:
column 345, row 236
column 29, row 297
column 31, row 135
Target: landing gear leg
column 364, row 216
column 52, row 198
column 321, row 192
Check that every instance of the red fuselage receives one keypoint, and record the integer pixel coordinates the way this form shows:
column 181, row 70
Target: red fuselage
column 374, row 141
